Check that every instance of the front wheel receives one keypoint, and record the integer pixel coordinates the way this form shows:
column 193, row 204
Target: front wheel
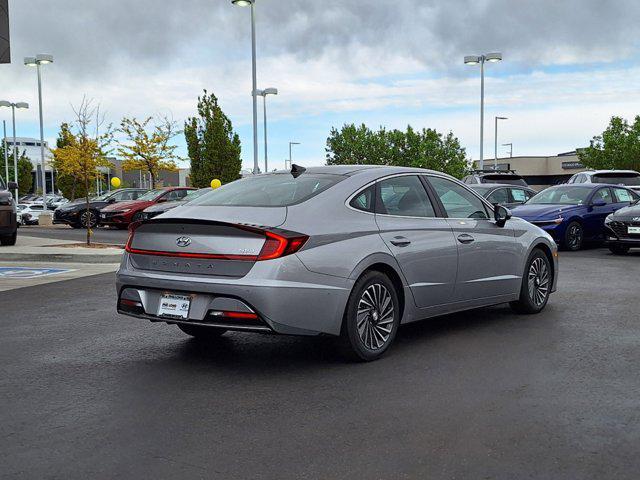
column 9, row 240
column 202, row 333
column 618, row 249
column 536, row 284
column 371, row 318
column 574, row 236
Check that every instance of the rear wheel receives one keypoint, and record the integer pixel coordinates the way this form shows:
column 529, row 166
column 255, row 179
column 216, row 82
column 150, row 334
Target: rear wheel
column 200, row 332
column 88, row 219
column 573, row 236
column 8, row 240
column 617, row 249
column 536, row 284
column 371, row 318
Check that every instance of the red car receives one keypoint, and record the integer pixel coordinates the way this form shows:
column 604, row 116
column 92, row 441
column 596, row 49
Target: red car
column 121, row 214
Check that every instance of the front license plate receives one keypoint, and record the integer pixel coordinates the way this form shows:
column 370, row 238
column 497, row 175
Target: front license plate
column 174, row 306
column 633, row 230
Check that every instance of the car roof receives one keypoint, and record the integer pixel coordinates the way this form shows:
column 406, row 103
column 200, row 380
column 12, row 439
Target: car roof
column 596, row 172
column 349, row 170
column 490, row 186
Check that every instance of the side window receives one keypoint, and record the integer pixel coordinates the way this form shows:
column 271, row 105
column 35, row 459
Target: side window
column 623, row 196
column 404, row 196
column 182, row 193
column 519, row 195
column 172, row 196
column 499, row 196
column 603, row 194
column 364, row 200
column 457, row 200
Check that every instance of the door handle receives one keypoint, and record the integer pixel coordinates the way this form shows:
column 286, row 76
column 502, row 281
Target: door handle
column 400, row 241
column 465, row 238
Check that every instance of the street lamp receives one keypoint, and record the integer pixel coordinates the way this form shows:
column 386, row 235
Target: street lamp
column 254, row 89
column 290, row 158
column 495, row 143
column 263, row 94
column 475, row 60
column 510, row 145
column 13, row 106
column 37, row 61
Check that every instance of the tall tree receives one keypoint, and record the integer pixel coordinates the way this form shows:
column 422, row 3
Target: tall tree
column 424, row 149
column 70, row 186
column 618, row 147
column 83, row 153
column 147, row 147
column 214, row 148
column 25, row 167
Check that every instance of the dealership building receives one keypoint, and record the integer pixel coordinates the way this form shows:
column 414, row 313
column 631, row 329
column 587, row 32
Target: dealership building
column 540, row 172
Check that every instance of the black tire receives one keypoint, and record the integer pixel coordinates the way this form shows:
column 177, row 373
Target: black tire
column 9, row 240
column 573, row 236
column 368, row 336
column 537, row 281
column 90, row 217
column 617, row 249
column 202, row 333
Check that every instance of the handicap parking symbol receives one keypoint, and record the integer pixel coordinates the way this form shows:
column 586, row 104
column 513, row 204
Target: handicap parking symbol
column 25, row 272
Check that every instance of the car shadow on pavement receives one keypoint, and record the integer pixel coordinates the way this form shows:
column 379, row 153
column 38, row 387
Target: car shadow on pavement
column 264, row 353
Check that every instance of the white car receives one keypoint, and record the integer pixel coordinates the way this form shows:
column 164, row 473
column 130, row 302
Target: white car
column 627, row 178
column 29, row 213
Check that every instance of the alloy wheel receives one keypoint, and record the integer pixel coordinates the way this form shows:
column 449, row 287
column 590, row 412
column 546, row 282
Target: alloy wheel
column 87, row 219
column 538, row 281
column 375, row 316
column 574, row 236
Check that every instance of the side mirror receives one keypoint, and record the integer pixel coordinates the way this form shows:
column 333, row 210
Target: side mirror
column 598, row 203
column 12, row 185
column 501, row 214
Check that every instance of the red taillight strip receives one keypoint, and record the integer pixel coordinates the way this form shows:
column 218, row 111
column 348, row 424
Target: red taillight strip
column 275, row 246
column 202, row 256
column 242, row 315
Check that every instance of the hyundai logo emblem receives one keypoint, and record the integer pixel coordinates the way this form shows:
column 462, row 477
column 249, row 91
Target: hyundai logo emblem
column 183, row 241
column 636, row 219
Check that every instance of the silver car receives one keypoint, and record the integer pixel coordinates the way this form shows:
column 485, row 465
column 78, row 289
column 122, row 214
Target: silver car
column 346, row 251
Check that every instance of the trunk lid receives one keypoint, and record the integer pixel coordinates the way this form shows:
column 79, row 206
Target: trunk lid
column 200, row 240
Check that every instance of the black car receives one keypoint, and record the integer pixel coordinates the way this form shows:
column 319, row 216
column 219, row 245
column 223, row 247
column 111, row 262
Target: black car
column 509, row 177
column 623, row 229
column 75, row 213
column 508, row 196
column 8, row 218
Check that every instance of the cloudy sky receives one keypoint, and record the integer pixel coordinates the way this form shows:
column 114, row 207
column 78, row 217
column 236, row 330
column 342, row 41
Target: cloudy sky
column 568, row 66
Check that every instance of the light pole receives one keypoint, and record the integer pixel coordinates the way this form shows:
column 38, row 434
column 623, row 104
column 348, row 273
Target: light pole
column 41, row 59
column 254, row 90
column 13, row 106
column 510, row 145
column 475, row 60
column 290, row 158
column 495, row 143
column 263, row 94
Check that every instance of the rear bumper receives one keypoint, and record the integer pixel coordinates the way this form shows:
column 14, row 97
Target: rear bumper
column 288, row 298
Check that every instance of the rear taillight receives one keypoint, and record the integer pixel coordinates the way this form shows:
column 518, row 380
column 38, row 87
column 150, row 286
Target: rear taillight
column 277, row 246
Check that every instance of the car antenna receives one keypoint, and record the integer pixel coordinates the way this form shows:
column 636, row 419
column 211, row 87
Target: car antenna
column 297, row 170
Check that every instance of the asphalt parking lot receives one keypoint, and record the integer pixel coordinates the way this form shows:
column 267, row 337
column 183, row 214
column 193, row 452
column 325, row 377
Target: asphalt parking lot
column 485, row 394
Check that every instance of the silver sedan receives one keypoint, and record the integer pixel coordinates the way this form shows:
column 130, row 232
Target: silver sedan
column 347, row 251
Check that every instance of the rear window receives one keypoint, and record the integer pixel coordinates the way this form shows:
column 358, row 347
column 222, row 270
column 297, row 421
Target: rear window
column 617, row 178
column 274, row 190
column 508, row 179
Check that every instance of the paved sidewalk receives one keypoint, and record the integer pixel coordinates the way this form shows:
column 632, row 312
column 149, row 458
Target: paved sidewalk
column 36, row 249
column 14, row 275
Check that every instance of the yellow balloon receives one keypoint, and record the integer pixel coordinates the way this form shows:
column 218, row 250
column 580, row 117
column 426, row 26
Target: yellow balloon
column 215, row 183
column 115, row 182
